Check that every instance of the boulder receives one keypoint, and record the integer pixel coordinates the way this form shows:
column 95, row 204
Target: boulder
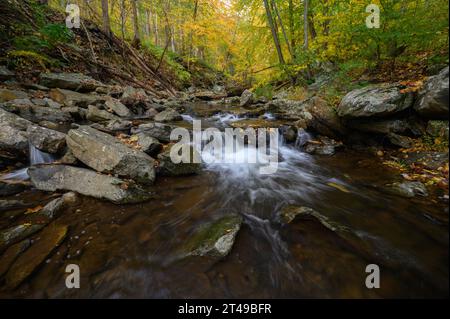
column 69, row 81
column 5, row 74
column 378, row 100
column 9, row 95
column 113, row 126
column 72, row 98
column 289, row 213
column 53, row 178
column 289, row 133
column 94, row 114
column 215, row 239
column 132, row 96
column 46, row 140
column 324, row 120
column 35, row 113
column 433, row 99
column 247, row 98
column 168, row 115
column 13, row 135
column 107, row 154
column 50, row 238
column 159, row 131
column 148, row 144
column 407, row 189
column 117, row 107
column 167, row 167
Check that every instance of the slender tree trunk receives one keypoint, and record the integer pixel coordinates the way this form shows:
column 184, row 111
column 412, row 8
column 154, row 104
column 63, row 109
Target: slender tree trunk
column 292, row 25
column 105, row 16
column 283, row 29
column 122, row 18
column 147, row 23
column 274, row 32
column 305, row 24
column 137, row 35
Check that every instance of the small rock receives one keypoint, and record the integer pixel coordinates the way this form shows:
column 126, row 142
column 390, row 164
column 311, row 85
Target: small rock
column 46, row 140
column 167, row 167
column 94, row 114
column 408, row 189
column 117, row 107
column 247, row 98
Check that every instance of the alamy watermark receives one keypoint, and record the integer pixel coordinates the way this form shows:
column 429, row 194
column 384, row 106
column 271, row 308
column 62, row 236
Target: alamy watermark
column 373, row 19
column 234, row 146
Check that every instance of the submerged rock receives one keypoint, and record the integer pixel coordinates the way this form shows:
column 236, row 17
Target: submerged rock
column 375, row 101
column 107, row 154
column 399, row 140
column 408, row 189
column 46, row 140
column 50, row 238
column 53, row 178
column 167, row 167
column 11, row 254
column 324, row 146
column 17, row 233
column 168, row 115
column 433, row 99
column 56, row 206
column 215, row 239
column 289, row 213
column 70, row 81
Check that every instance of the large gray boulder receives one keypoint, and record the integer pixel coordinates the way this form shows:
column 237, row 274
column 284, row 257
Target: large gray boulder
column 46, row 140
column 106, row 154
column 247, row 98
column 132, row 96
column 69, row 81
column 378, row 100
column 13, row 134
column 168, row 115
column 53, row 178
column 433, row 99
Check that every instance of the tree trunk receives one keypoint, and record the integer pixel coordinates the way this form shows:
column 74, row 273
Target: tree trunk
column 305, row 24
column 274, row 32
column 122, row 18
column 137, row 36
column 283, row 29
column 105, row 15
column 292, row 25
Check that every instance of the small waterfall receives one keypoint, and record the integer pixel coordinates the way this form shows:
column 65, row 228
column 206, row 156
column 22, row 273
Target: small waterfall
column 187, row 118
column 303, row 137
column 36, row 157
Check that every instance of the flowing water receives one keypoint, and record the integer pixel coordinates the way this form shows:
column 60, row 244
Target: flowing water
column 132, row 251
column 36, row 157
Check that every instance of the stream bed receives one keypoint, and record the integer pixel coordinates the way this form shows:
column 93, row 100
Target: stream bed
column 131, row 251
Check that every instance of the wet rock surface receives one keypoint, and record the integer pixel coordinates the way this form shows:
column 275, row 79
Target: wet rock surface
column 52, row 178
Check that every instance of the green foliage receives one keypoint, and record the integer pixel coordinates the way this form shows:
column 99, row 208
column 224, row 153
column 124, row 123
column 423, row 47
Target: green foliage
column 55, row 33
column 265, row 90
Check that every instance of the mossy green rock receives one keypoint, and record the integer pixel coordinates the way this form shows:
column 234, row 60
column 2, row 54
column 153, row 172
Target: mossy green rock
column 215, row 239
